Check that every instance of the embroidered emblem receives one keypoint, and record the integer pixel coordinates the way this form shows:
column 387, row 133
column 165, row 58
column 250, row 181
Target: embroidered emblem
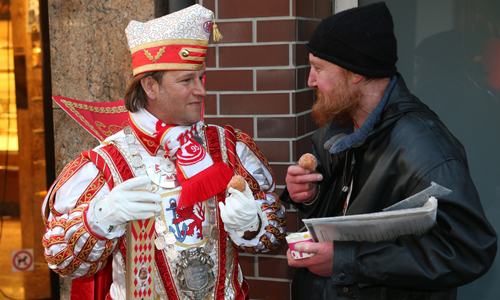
column 158, row 55
column 143, row 277
column 191, row 154
column 194, row 217
column 207, row 26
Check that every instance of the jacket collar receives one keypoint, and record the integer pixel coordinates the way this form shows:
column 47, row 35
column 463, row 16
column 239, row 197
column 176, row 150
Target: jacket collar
column 144, row 125
column 339, row 139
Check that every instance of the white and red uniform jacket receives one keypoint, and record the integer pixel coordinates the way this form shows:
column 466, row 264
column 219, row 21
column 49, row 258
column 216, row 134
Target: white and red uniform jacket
column 76, row 246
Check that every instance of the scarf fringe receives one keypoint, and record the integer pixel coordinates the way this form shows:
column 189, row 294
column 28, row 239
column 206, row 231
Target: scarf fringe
column 205, row 184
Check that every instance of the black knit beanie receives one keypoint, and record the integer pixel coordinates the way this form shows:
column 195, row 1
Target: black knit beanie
column 360, row 40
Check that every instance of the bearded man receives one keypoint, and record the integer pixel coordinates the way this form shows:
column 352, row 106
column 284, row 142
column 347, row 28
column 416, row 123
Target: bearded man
column 378, row 144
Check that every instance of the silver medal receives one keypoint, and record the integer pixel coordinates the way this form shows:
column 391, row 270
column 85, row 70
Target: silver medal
column 160, row 243
column 170, row 238
column 173, row 254
column 195, row 273
column 160, row 226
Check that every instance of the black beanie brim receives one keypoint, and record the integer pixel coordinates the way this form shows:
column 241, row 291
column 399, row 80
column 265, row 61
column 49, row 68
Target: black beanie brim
column 360, row 40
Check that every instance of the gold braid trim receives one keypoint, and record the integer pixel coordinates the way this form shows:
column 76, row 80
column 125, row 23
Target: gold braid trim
column 93, row 188
column 60, row 256
column 72, row 267
column 72, row 222
column 68, row 172
column 102, row 110
column 250, row 143
column 275, row 206
column 57, row 223
column 93, row 269
column 86, row 249
column 274, row 231
column 53, row 240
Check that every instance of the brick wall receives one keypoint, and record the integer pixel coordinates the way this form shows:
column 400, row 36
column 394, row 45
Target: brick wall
column 257, row 82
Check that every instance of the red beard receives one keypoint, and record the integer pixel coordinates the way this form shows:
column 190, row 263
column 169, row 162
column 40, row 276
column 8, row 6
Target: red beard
column 338, row 107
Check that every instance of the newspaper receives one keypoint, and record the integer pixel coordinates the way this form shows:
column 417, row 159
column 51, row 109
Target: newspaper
column 413, row 215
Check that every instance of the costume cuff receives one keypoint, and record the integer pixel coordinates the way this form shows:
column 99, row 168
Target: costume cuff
column 344, row 263
column 239, row 241
column 101, row 228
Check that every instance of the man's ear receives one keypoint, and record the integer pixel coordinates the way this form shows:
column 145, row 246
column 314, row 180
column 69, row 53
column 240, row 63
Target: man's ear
column 356, row 78
column 149, row 85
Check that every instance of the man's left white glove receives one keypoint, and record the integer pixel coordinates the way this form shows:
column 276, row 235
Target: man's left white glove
column 126, row 202
column 241, row 212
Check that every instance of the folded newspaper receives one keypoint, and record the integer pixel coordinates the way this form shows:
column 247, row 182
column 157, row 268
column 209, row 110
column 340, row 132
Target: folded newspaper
column 413, row 215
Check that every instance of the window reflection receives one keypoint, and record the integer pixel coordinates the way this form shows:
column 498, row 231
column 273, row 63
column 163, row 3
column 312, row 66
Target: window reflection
column 449, row 55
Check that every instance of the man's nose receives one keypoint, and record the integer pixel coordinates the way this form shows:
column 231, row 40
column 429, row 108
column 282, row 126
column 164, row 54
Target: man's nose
column 200, row 89
column 311, row 81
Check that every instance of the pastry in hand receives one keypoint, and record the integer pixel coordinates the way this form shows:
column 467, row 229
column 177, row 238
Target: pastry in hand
column 308, row 161
column 237, row 183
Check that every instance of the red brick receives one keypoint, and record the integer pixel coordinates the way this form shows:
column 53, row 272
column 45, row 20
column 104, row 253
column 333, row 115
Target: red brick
column 229, row 80
column 280, row 250
column 300, row 55
column 291, row 221
column 254, row 104
column 235, row 32
column 300, row 217
column 323, row 8
column 247, row 264
column 305, row 124
column 210, row 105
column 275, row 268
column 305, row 29
column 267, row 289
column 229, row 9
column 301, row 125
column 276, row 31
column 254, row 56
column 278, row 192
column 279, row 171
column 302, row 101
column 311, row 124
column 210, row 60
column 301, row 146
column 276, row 127
column 310, row 27
column 210, row 4
column 302, row 77
column 303, row 8
column 244, row 124
column 268, row 80
column 275, row 151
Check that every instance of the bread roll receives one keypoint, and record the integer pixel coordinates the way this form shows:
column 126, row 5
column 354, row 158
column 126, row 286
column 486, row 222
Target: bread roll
column 237, row 183
column 308, row 161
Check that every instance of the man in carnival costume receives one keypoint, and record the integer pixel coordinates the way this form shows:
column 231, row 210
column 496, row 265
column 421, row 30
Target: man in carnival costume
column 169, row 165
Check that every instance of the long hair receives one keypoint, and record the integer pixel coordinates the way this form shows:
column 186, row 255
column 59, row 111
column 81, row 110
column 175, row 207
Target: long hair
column 135, row 96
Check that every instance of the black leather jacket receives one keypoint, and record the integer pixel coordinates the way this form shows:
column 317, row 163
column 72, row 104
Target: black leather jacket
column 408, row 149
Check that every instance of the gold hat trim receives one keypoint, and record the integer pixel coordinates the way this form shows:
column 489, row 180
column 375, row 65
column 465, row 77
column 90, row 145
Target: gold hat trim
column 191, row 42
column 165, row 67
column 187, row 51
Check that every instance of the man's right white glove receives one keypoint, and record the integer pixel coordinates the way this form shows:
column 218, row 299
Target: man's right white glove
column 241, row 211
column 125, row 204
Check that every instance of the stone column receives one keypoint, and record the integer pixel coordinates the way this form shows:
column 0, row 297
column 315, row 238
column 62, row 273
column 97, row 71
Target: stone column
column 90, row 61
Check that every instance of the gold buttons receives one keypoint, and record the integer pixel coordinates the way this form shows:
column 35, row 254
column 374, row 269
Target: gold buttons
column 184, row 53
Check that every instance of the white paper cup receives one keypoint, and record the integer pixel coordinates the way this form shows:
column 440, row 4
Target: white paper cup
column 299, row 237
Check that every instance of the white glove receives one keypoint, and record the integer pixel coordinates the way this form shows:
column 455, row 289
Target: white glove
column 241, row 212
column 123, row 204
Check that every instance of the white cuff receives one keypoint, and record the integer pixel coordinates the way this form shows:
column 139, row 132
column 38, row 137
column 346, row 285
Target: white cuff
column 97, row 220
column 240, row 241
